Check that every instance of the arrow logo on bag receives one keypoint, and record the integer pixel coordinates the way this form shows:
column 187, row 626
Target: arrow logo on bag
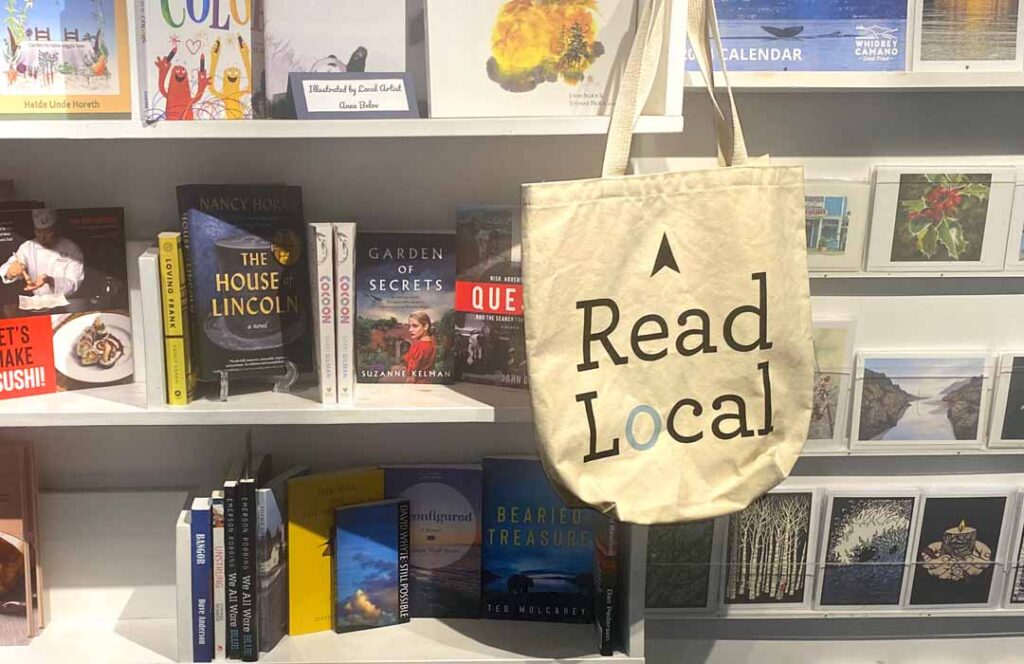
column 665, row 257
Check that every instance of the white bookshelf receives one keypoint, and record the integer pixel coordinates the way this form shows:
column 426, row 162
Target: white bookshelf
column 908, row 81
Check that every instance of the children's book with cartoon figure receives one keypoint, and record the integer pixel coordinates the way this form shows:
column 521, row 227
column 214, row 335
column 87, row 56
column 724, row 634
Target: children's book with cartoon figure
column 196, row 59
column 64, row 58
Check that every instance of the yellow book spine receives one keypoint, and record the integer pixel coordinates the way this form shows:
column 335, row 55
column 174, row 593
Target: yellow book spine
column 180, row 377
column 311, row 503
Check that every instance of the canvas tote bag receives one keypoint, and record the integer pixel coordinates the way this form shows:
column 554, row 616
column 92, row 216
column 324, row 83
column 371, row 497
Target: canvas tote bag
column 668, row 326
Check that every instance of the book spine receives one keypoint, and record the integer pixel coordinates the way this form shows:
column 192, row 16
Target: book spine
column 190, row 287
column 249, row 626
column 404, row 572
column 344, row 280
column 606, row 587
column 234, row 635
column 152, row 328
column 219, row 596
column 183, row 584
column 262, row 596
column 141, row 57
column 202, row 587
column 320, row 246
column 176, row 356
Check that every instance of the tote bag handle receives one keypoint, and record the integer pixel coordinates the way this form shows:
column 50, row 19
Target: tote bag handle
column 638, row 79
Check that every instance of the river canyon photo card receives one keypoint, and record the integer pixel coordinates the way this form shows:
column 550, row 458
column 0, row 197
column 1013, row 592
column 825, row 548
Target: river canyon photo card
column 957, row 35
column 958, row 550
column 921, row 400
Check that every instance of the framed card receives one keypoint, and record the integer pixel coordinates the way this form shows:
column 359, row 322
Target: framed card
column 833, row 373
column 836, row 213
column 1015, row 242
column 930, row 219
column 770, row 553
column 968, row 37
column 1014, row 593
column 682, row 570
column 866, row 550
column 920, row 401
column 960, row 539
column 1007, row 428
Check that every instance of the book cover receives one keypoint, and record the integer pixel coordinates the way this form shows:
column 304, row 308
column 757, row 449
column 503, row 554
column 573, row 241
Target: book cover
column 606, row 586
column 219, row 597
column 17, row 620
column 320, row 242
column 152, row 325
column 370, row 577
column 344, row 309
column 183, row 581
column 65, row 59
column 405, row 285
column 446, row 505
column 272, row 557
column 538, row 554
column 329, row 36
column 490, row 339
column 202, row 581
column 311, row 504
column 64, row 318
column 195, row 59
column 180, row 377
column 249, row 278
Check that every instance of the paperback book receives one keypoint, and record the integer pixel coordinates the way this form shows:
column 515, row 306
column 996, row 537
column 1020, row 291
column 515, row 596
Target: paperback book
column 179, row 373
column 183, row 582
column 195, row 60
column 446, row 504
column 202, row 581
column 405, row 285
column 65, row 59
column 320, row 242
column 344, row 309
column 606, row 586
column 248, row 278
column 538, row 554
column 370, row 577
column 64, row 318
column 490, row 341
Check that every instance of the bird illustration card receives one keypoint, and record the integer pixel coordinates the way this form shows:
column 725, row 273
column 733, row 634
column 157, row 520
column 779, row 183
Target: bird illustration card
column 196, row 60
column 64, row 58
column 329, row 36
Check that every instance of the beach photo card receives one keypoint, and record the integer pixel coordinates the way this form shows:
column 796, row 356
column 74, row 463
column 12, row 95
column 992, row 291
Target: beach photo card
column 957, row 35
column 958, row 548
column 921, row 400
column 836, row 214
column 682, row 566
column 833, row 371
column 1007, row 427
column 940, row 220
column 866, row 550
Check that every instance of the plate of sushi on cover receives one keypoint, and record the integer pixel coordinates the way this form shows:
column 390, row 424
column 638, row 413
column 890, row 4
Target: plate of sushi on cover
column 94, row 348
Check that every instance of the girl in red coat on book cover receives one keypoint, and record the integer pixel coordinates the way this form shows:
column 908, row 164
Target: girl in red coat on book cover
column 419, row 360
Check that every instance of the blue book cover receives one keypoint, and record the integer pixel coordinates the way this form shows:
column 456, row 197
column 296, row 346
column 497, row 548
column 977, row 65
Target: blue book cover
column 405, row 301
column 202, row 581
column 812, row 35
column 538, row 554
column 370, row 575
column 447, row 508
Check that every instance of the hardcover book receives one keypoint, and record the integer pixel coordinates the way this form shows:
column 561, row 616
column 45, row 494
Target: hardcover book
column 202, row 581
column 405, row 285
column 183, row 582
column 311, row 504
column 19, row 554
column 606, row 586
column 64, row 319
column 329, row 36
column 320, row 242
column 65, row 59
column 247, row 575
column 370, row 577
column 446, row 504
column 195, row 60
column 150, row 286
column 490, row 341
column 538, row 554
column 344, row 309
column 248, row 278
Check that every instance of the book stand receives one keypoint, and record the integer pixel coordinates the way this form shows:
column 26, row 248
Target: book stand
column 282, row 384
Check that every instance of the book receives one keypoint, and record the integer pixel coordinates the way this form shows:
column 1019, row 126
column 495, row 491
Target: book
column 202, row 581
column 233, row 645
column 66, row 59
column 538, row 554
column 219, row 596
column 311, row 504
column 320, row 242
column 370, row 577
column 606, row 586
column 248, row 277
column 183, row 581
column 272, row 557
column 405, row 287
column 180, row 377
column 256, row 473
column 446, row 505
column 152, row 326
column 64, row 314
column 195, row 60
column 344, row 309
column 329, row 36
column 18, row 541
column 490, row 339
